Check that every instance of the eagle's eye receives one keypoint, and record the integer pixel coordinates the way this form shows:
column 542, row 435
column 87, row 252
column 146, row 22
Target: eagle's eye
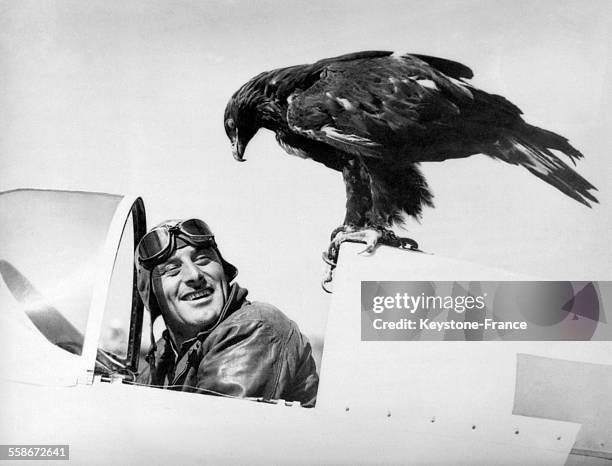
column 230, row 126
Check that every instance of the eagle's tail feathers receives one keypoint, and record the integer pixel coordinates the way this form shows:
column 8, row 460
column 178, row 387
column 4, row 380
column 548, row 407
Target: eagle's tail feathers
column 581, row 196
column 536, row 157
column 552, row 140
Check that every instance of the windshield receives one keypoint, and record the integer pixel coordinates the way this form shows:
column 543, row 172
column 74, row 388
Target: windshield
column 50, row 245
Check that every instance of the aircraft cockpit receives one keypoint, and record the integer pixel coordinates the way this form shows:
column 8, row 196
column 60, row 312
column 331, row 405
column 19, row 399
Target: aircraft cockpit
column 69, row 310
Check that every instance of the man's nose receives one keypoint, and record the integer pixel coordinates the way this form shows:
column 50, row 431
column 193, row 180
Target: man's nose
column 192, row 273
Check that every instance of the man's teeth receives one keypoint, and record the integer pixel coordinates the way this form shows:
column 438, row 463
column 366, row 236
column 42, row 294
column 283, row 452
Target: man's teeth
column 198, row 294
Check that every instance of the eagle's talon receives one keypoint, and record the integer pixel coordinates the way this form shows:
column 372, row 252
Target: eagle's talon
column 330, row 257
column 325, row 285
column 408, row 243
column 369, row 249
column 325, row 255
column 338, row 232
column 391, row 239
column 327, row 280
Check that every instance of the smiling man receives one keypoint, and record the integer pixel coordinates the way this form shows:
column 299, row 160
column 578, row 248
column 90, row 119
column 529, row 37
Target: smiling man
column 216, row 341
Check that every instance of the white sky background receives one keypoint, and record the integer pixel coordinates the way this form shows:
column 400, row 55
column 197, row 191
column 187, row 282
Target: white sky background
column 122, row 97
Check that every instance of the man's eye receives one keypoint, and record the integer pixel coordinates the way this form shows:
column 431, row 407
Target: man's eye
column 171, row 270
column 202, row 260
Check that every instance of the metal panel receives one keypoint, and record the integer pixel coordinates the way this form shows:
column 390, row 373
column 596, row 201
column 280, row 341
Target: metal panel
column 569, row 391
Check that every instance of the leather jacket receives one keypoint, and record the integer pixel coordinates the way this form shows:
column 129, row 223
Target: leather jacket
column 253, row 350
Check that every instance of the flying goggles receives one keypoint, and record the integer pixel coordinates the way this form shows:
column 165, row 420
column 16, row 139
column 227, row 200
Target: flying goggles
column 159, row 244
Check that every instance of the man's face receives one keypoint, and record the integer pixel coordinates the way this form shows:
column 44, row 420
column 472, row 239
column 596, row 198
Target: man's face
column 191, row 289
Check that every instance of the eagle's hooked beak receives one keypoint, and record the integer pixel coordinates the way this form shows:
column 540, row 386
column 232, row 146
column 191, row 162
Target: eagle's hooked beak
column 238, row 151
column 238, row 148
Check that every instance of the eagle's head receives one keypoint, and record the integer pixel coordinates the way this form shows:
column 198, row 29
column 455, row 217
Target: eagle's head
column 239, row 126
column 250, row 108
column 242, row 117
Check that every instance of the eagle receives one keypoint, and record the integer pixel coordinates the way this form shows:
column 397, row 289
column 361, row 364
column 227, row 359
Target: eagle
column 375, row 116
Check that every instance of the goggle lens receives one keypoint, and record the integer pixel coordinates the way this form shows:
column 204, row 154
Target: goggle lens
column 153, row 243
column 194, row 227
